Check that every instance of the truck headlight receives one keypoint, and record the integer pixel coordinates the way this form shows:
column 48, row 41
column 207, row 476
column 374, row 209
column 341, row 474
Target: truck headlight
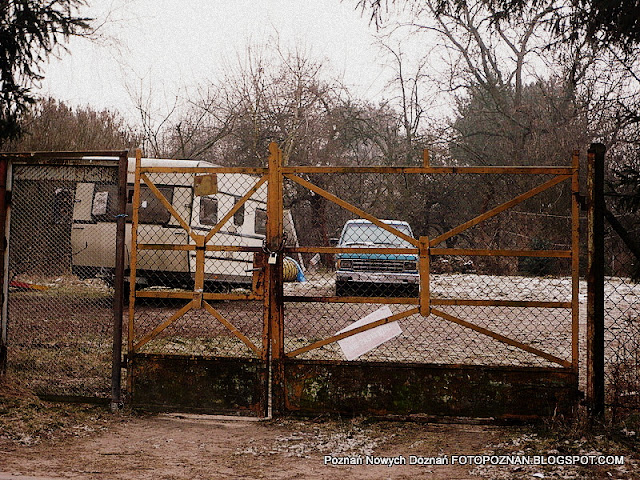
column 345, row 264
column 411, row 266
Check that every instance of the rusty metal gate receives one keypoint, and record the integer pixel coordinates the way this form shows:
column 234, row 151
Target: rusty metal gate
column 197, row 338
column 375, row 324
column 57, row 332
column 470, row 343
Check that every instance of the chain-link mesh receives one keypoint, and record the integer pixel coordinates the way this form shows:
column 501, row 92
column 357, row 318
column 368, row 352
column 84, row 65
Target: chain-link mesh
column 61, row 264
column 166, row 321
column 62, row 258
column 476, row 300
column 622, row 315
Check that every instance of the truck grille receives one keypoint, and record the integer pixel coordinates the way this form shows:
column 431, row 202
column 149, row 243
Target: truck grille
column 368, row 265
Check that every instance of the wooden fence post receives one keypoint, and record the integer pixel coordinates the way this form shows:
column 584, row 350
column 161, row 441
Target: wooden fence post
column 595, row 280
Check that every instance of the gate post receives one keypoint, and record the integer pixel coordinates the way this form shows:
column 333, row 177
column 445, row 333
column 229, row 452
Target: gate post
column 118, row 295
column 132, row 272
column 273, row 307
column 595, row 280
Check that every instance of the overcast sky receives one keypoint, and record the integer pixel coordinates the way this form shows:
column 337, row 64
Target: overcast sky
column 170, row 45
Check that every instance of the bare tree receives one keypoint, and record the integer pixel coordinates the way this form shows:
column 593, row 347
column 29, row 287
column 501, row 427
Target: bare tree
column 51, row 125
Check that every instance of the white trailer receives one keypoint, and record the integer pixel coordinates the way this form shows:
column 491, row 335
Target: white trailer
column 93, row 232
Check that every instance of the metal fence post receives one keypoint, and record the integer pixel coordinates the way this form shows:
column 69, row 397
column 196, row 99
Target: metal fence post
column 4, row 264
column 595, row 280
column 118, row 296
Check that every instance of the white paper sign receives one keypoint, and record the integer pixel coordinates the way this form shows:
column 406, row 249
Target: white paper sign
column 100, row 203
column 362, row 342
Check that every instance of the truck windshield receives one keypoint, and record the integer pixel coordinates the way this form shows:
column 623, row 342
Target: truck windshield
column 370, row 234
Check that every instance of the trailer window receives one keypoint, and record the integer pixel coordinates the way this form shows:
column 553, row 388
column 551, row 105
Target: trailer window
column 238, row 217
column 260, row 226
column 151, row 210
column 208, row 211
column 104, row 207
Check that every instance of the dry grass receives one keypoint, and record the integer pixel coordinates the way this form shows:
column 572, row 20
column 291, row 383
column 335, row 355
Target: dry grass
column 25, row 419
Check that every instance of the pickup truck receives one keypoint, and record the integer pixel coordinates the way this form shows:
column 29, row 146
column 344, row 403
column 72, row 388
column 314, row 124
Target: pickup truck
column 375, row 274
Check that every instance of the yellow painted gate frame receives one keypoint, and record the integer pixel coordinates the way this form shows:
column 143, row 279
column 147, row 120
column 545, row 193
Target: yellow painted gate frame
column 268, row 276
column 198, row 299
column 425, row 248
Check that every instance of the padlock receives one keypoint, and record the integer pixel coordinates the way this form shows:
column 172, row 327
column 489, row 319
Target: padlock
column 272, row 258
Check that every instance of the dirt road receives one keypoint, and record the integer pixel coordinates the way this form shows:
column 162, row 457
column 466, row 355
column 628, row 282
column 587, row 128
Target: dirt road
column 196, row 447
column 45, row 441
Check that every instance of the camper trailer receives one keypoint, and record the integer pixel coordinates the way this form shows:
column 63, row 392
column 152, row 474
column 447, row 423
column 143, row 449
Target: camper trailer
column 93, row 232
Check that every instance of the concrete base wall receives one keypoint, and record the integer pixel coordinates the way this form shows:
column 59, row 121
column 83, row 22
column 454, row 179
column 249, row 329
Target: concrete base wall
column 195, row 384
column 438, row 390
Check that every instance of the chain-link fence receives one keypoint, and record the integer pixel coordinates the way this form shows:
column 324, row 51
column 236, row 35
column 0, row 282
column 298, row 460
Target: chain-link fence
column 61, row 273
column 461, row 268
column 622, row 312
column 500, row 291
column 192, row 298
